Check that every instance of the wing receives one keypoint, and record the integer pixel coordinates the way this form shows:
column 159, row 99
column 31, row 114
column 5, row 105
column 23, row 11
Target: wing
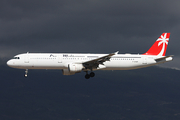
column 96, row 62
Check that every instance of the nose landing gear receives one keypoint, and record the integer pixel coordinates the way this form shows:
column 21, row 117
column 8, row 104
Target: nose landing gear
column 26, row 73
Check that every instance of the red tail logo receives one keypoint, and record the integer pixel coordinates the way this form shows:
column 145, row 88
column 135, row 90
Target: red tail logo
column 160, row 46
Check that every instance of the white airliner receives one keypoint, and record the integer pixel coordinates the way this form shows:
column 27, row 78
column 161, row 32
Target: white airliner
column 71, row 63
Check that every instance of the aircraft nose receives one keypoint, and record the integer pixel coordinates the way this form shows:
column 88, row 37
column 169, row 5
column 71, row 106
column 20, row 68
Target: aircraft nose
column 9, row 63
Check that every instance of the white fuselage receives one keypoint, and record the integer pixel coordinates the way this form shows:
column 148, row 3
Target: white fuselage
column 61, row 61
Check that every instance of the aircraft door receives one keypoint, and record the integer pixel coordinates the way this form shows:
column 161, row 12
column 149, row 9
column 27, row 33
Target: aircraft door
column 144, row 60
column 26, row 59
column 59, row 58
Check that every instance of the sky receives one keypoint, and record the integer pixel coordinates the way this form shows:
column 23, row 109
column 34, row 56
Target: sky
column 88, row 26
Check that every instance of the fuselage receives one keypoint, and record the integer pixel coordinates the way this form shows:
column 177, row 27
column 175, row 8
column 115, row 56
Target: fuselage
column 61, row 61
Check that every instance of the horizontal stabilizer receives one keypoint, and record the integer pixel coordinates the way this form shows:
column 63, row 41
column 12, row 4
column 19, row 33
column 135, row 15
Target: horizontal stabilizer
column 164, row 58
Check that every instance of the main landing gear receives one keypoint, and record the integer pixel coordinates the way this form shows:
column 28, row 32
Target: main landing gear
column 26, row 73
column 87, row 76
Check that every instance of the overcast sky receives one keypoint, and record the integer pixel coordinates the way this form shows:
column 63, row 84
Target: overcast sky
column 93, row 26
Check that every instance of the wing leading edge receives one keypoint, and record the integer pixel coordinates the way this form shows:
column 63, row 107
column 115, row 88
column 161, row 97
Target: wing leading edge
column 98, row 62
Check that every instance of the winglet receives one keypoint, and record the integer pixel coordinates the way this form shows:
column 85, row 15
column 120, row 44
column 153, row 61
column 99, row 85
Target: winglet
column 116, row 52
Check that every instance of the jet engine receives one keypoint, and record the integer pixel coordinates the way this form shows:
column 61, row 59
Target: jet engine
column 75, row 67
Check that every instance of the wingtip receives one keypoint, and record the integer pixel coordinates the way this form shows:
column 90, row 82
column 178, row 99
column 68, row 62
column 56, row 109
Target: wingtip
column 116, row 52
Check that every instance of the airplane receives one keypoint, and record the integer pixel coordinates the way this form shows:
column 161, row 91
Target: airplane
column 71, row 63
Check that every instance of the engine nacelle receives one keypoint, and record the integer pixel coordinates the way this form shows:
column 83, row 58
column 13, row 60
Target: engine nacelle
column 67, row 72
column 75, row 67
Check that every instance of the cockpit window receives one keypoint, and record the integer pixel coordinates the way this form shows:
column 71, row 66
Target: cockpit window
column 16, row 57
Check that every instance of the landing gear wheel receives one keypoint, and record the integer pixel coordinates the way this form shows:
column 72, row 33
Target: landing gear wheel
column 26, row 73
column 92, row 74
column 87, row 76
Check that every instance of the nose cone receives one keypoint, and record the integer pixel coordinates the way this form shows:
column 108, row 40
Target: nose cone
column 10, row 63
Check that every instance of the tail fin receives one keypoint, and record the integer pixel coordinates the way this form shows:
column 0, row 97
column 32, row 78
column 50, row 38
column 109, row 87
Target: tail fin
column 160, row 46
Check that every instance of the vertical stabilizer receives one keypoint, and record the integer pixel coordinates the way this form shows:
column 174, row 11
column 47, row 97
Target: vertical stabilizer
column 160, row 46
